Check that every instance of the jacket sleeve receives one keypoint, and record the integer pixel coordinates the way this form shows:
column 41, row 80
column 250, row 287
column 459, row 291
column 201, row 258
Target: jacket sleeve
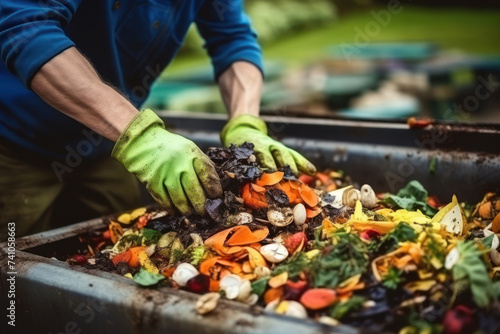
column 31, row 33
column 228, row 34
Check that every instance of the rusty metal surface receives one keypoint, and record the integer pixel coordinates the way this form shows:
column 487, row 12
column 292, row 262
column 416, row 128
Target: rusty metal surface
column 54, row 235
column 53, row 297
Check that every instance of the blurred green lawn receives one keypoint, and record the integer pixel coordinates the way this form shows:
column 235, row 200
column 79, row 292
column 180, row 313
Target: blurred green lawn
column 470, row 30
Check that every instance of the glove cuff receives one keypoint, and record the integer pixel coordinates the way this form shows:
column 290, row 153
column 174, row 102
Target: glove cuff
column 247, row 121
column 135, row 131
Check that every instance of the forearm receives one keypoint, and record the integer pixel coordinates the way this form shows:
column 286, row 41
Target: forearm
column 241, row 87
column 69, row 83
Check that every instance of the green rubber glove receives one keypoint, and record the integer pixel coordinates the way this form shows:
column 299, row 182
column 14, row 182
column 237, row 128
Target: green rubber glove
column 174, row 170
column 269, row 152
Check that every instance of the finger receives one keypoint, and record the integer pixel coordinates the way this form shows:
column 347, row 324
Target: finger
column 303, row 164
column 283, row 158
column 194, row 191
column 163, row 200
column 177, row 195
column 208, row 176
column 265, row 158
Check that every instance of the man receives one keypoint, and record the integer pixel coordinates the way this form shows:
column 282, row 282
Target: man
column 76, row 71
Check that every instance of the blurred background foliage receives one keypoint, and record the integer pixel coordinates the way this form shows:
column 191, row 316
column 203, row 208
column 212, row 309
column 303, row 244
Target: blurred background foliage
column 425, row 61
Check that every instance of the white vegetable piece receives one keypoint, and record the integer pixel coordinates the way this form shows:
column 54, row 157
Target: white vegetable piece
column 230, row 284
column 451, row 217
column 368, row 197
column 495, row 242
column 207, row 302
column 299, row 214
column 262, row 271
column 451, row 258
column 245, row 290
column 287, row 307
column 350, row 197
column 338, row 194
column 274, row 252
column 183, row 273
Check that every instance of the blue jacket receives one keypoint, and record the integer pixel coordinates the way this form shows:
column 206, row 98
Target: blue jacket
column 129, row 42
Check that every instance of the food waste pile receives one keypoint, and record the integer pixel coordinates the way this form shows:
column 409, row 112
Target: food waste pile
column 317, row 247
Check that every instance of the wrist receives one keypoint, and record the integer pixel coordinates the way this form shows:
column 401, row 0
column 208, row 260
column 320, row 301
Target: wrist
column 120, row 116
column 143, row 128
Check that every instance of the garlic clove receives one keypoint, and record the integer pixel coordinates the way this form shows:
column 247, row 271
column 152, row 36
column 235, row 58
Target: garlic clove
column 368, row 197
column 207, row 303
column 299, row 214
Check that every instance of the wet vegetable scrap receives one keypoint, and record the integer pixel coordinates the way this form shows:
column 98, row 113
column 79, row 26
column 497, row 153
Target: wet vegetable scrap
column 319, row 247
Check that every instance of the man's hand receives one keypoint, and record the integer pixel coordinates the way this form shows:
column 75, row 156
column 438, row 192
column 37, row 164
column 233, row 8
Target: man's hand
column 175, row 171
column 240, row 87
column 269, row 152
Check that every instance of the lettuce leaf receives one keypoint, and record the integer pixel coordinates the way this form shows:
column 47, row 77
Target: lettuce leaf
column 147, row 278
column 412, row 197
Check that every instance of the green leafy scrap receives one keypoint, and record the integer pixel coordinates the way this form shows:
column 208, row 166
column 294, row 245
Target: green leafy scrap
column 392, row 279
column 488, row 241
column 198, row 254
column 400, row 233
column 470, row 271
column 433, row 165
column 348, row 257
column 353, row 304
column 435, row 248
column 412, row 197
column 150, row 236
column 259, row 286
column 293, row 266
column 177, row 255
column 147, row 278
column 319, row 242
column 128, row 241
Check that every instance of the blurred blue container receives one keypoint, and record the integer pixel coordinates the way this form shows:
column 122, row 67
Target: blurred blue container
column 385, row 51
column 339, row 89
column 402, row 108
column 163, row 91
column 204, row 75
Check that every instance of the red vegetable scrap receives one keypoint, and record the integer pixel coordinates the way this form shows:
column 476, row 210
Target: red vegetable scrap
column 296, row 242
column 317, row 299
column 122, row 257
column 294, row 290
column 416, row 123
